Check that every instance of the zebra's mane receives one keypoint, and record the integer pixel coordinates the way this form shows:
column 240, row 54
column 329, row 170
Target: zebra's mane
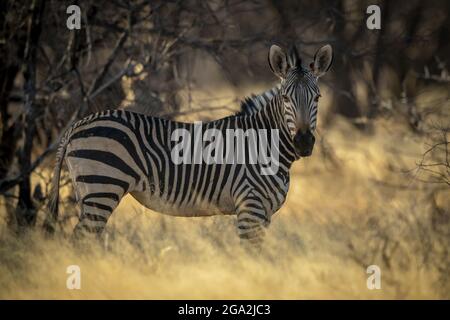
column 254, row 103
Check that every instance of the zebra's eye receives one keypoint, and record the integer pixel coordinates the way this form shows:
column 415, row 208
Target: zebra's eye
column 286, row 99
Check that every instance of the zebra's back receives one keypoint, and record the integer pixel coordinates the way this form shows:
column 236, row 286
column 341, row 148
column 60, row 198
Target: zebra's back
column 135, row 149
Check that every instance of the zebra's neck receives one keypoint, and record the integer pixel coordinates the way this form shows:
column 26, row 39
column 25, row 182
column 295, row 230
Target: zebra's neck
column 267, row 107
column 256, row 103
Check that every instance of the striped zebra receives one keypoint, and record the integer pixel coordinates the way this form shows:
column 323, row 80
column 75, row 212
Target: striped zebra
column 116, row 152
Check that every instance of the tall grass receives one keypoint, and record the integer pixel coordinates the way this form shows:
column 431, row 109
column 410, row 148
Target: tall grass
column 351, row 205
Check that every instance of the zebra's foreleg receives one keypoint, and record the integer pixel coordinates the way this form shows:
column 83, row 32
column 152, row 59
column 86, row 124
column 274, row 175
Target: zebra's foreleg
column 251, row 223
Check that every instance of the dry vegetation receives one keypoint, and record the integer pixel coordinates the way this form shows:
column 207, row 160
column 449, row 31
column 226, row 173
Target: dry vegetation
column 375, row 191
column 352, row 204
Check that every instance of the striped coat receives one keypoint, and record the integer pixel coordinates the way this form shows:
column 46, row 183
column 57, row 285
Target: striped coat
column 117, row 152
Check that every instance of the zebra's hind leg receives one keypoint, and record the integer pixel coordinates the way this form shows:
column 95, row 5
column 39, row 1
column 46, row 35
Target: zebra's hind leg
column 96, row 208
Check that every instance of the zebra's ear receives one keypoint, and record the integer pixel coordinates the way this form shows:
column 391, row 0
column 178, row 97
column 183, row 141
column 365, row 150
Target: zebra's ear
column 278, row 61
column 322, row 61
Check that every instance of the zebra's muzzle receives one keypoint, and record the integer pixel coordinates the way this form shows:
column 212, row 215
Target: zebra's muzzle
column 304, row 143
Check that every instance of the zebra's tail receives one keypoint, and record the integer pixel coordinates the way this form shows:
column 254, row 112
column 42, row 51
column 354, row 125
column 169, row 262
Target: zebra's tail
column 53, row 202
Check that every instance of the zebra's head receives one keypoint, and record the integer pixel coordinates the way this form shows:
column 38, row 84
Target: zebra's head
column 299, row 92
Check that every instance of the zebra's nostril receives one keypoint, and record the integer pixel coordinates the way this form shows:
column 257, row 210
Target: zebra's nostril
column 304, row 142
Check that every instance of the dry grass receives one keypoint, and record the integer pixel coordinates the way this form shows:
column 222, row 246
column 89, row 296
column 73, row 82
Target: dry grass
column 343, row 213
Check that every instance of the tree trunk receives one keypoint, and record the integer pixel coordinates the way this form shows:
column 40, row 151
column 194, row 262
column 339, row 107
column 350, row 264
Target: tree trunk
column 25, row 210
column 10, row 68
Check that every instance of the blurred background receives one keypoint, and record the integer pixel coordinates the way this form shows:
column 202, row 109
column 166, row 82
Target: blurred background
column 375, row 191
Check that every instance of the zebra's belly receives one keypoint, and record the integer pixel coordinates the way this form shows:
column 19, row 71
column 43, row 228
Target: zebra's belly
column 196, row 210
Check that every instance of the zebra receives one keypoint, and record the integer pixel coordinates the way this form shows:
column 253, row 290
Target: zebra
column 116, row 152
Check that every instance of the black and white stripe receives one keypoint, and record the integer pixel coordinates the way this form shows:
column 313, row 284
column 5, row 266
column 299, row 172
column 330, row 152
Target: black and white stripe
column 117, row 152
